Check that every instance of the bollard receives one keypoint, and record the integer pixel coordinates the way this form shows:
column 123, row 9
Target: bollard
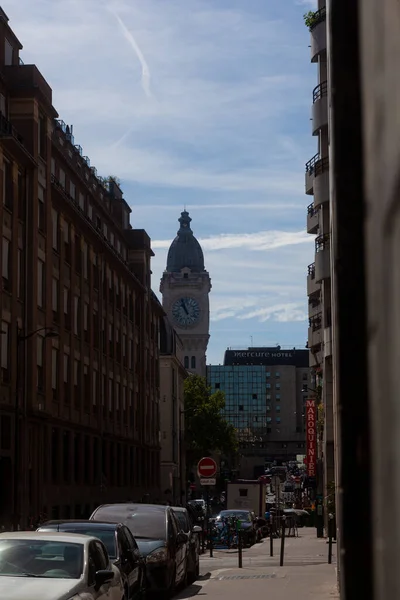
column 271, row 537
column 282, row 541
column 330, row 536
column 240, row 549
column 210, row 541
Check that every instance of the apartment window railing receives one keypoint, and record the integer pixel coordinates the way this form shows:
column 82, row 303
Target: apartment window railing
column 315, row 322
column 310, row 165
column 322, row 242
column 320, row 90
column 311, row 210
column 311, row 270
column 319, row 16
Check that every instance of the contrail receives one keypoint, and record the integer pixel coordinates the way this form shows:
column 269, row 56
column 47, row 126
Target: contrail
column 145, row 67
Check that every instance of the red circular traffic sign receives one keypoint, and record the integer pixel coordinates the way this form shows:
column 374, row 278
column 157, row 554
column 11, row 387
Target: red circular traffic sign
column 207, row 467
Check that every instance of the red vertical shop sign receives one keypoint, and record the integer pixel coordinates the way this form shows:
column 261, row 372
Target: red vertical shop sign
column 311, row 428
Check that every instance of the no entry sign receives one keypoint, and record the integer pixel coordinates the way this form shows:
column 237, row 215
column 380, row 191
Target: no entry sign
column 207, row 467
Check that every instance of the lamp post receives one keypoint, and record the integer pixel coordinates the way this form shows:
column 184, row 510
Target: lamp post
column 21, row 339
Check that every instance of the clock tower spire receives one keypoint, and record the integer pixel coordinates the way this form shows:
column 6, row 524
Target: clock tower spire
column 185, row 287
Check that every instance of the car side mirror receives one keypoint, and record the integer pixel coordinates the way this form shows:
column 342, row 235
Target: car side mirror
column 102, row 577
column 181, row 538
column 197, row 529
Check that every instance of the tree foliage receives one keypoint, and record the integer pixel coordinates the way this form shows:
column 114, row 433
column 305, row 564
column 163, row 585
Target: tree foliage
column 206, row 429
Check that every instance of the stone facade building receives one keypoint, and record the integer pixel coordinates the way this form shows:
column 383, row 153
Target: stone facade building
column 79, row 324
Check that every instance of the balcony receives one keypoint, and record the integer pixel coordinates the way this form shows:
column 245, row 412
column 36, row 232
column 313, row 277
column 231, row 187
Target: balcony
column 312, row 285
column 314, row 304
column 319, row 111
column 312, row 219
column 322, row 258
column 316, row 356
column 315, row 331
column 317, row 179
column 318, row 34
column 14, row 142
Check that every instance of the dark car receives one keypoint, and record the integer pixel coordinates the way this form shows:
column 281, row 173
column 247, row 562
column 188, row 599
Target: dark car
column 192, row 531
column 247, row 523
column 121, row 547
column 160, row 540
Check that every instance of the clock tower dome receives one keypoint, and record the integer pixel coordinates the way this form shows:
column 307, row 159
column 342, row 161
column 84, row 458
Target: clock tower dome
column 185, row 286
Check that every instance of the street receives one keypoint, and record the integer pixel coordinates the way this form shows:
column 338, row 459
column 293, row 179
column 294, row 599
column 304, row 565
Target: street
column 305, row 575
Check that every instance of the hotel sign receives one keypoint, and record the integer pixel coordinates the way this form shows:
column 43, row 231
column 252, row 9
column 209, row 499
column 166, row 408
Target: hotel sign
column 311, row 437
column 250, row 355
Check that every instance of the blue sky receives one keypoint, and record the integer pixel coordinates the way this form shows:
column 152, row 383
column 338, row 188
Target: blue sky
column 200, row 103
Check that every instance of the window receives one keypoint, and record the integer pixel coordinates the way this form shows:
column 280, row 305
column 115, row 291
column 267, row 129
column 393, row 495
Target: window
column 42, row 137
column 277, row 397
column 8, row 53
column 268, row 386
column 278, row 386
column 41, row 210
column 278, row 408
column 53, row 166
column 66, row 378
column 305, row 377
column 20, row 282
column 81, row 201
column 278, row 420
column 241, row 407
column 76, row 383
column 268, row 396
column 61, row 177
column 67, row 321
column 255, row 396
column 39, row 362
column 67, row 246
column 5, row 358
column 21, row 195
column 40, row 283
column 85, row 259
column 90, row 211
column 86, row 387
column 268, row 374
column 54, row 371
column 54, row 224
column 193, row 362
column 94, row 388
column 55, row 296
column 186, row 362
column 72, row 190
column 76, row 315
column 277, row 375
column 217, row 386
column 8, row 188
column 5, row 263
column 268, row 408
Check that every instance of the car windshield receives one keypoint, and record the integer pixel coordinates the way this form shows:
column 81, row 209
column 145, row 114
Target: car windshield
column 40, row 558
column 147, row 525
column 228, row 514
column 107, row 536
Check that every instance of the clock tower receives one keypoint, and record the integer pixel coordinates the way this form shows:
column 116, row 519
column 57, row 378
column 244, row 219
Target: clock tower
column 185, row 286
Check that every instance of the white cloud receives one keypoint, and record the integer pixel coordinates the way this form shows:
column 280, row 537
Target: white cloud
column 261, row 241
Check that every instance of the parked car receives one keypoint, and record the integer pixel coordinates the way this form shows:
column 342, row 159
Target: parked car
column 192, row 531
column 121, row 547
column 157, row 533
column 56, row 566
column 247, row 523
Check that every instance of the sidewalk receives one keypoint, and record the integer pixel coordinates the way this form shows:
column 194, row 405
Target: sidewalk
column 306, row 574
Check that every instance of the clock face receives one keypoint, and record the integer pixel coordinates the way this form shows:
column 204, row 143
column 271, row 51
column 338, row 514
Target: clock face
column 186, row 311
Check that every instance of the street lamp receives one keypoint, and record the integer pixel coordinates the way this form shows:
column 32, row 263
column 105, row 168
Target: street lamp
column 21, row 339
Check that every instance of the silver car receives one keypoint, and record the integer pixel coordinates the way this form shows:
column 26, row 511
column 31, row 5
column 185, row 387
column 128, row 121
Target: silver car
column 56, row 566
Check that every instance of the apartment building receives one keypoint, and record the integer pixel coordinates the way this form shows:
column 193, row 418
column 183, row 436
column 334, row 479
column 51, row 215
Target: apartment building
column 265, row 393
column 172, row 416
column 79, row 396
column 319, row 283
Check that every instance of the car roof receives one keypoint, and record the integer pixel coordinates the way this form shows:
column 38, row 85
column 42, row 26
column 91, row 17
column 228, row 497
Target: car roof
column 132, row 507
column 74, row 523
column 178, row 509
column 48, row 536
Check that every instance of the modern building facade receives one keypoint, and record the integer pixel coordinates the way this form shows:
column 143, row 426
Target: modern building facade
column 319, row 281
column 265, row 392
column 79, row 396
column 172, row 377
column 185, row 288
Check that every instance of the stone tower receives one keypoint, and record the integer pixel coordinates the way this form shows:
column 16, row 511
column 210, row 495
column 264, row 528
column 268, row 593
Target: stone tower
column 185, row 286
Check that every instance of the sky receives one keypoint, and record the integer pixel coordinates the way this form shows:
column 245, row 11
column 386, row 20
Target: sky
column 203, row 104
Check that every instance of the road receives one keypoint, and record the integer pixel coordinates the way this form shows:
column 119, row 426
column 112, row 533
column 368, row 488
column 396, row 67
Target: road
column 306, row 574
